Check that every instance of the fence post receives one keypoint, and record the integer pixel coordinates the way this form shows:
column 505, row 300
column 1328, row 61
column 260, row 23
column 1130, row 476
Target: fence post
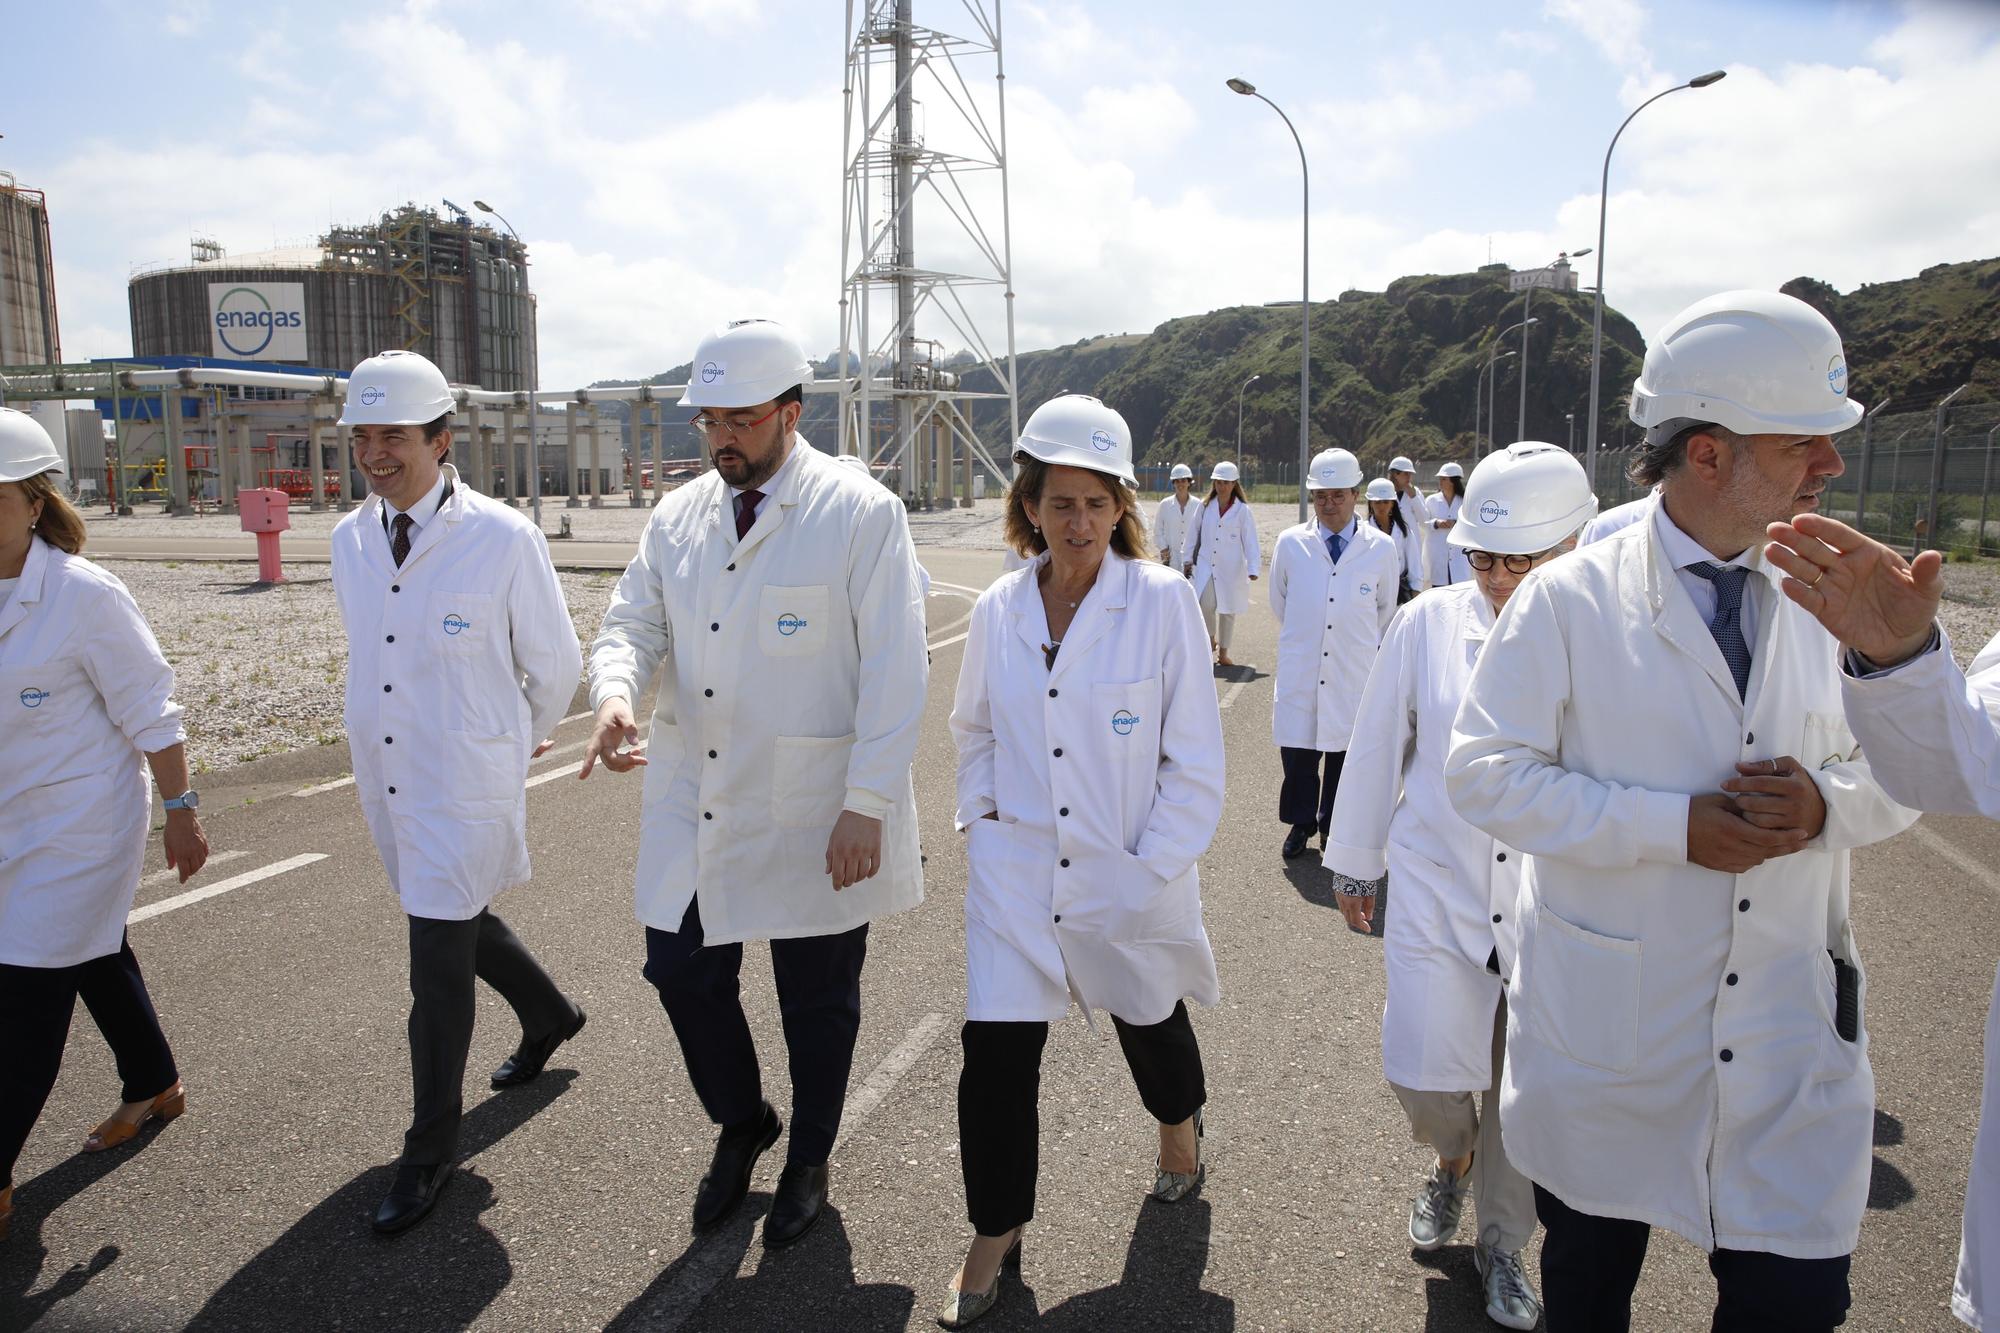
column 1985, row 490
column 1937, row 466
column 1867, row 466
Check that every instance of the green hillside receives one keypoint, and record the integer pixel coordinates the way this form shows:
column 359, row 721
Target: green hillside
column 1916, row 339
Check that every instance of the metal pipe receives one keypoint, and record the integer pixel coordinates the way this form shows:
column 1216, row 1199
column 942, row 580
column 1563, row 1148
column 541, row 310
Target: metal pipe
column 528, row 371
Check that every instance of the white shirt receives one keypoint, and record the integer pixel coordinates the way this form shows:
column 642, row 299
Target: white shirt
column 1683, row 550
column 420, row 513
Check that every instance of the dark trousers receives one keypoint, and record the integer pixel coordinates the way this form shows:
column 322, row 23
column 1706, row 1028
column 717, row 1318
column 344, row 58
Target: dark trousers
column 819, row 1002
column 999, row 1095
column 1591, row 1264
column 445, row 956
column 1306, row 799
column 35, row 1008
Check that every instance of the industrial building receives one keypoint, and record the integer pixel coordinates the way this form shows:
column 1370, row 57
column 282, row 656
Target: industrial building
column 28, row 332
column 450, row 288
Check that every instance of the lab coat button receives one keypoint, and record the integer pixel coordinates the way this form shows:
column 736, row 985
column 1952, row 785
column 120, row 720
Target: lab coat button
column 715, row 627
column 1727, row 1055
column 388, row 740
column 1501, row 857
column 1064, row 811
column 711, row 754
column 1059, row 752
column 708, row 814
column 1065, row 863
column 1058, row 918
column 1731, row 978
column 392, row 638
column 392, row 791
column 1053, row 693
column 730, row 570
column 1496, row 918
column 395, row 587
column 388, row 689
column 1743, row 906
column 1750, row 738
column 708, row 694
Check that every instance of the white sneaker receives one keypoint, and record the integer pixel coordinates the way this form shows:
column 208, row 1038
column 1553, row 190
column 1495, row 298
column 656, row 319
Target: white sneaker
column 1435, row 1211
column 1510, row 1301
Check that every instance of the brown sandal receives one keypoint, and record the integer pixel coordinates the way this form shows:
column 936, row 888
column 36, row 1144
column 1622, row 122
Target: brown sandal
column 167, row 1106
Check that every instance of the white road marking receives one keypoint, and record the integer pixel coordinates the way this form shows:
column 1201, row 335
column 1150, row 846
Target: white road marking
column 1229, row 695
column 316, row 789
column 946, row 643
column 550, row 776
column 957, row 587
column 885, row 1075
column 169, row 875
column 181, row 900
column 550, row 757
column 1949, row 850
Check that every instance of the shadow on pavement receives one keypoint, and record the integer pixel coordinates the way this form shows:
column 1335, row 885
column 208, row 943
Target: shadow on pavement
column 22, row 1256
column 330, row 1266
column 1455, row 1298
column 808, row 1286
column 1161, row 1284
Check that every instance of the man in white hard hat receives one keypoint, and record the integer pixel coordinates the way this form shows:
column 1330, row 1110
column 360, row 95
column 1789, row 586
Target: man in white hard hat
column 461, row 661
column 779, row 595
column 1932, row 734
column 1333, row 588
column 1450, row 943
column 1171, row 528
column 1660, row 731
column 1416, row 517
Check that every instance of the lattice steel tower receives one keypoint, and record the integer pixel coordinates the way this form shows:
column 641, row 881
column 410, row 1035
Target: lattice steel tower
column 900, row 406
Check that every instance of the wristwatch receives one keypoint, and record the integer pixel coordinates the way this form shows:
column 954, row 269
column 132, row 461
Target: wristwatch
column 187, row 800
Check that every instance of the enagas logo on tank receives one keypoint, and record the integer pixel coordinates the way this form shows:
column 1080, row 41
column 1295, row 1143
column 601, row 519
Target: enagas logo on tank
column 33, row 697
column 257, row 321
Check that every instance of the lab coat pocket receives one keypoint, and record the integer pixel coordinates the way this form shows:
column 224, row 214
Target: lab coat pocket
column 459, row 624
column 792, row 622
column 1149, row 908
column 40, row 703
column 1827, row 741
column 1839, row 1057
column 1125, row 730
column 809, row 780
column 1580, row 991
column 483, row 770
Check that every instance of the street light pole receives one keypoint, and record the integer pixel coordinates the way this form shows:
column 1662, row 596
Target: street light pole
column 1479, row 397
column 1239, row 420
column 1569, row 419
column 1493, row 354
column 1305, row 291
column 534, row 455
column 1597, row 314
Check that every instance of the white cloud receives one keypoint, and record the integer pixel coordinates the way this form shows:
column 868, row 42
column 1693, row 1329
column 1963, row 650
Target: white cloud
column 1615, row 27
column 1140, row 120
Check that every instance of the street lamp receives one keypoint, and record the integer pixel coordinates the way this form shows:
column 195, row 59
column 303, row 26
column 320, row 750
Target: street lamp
column 534, row 454
column 1239, row 419
column 1527, row 295
column 1569, row 419
column 1248, row 89
column 1479, row 396
column 1597, row 314
column 1493, row 389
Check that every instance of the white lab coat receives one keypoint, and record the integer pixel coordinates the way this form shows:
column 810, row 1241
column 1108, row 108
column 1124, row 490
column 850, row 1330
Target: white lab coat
column 85, row 695
column 458, row 665
column 1599, row 706
column 1227, row 553
column 1416, row 517
column 1455, row 887
column 794, row 675
column 1443, row 562
column 1933, row 740
column 1330, row 622
column 1106, row 774
column 1616, row 517
column 1173, row 528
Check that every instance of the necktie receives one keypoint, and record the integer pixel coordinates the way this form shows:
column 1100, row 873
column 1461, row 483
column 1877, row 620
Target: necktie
column 1727, row 623
column 399, row 540
column 746, row 512
column 1335, row 544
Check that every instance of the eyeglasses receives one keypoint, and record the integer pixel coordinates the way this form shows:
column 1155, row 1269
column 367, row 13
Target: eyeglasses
column 737, row 425
column 1515, row 564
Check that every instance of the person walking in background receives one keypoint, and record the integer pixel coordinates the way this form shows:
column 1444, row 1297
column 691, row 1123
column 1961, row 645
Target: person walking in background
column 1090, row 781
column 89, row 707
column 1450, row 944
column 1172, row 527
column 461, row 661
column 1410, row 502
column 1387, row 516
column 1225, row 559
column 1445, row 562
column 1333, row 588
column 780, row 596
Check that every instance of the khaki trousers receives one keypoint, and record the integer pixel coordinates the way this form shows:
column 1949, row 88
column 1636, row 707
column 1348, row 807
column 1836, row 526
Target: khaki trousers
column 1221, row 628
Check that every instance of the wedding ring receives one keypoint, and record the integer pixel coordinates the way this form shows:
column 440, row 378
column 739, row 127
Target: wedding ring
column 1816, row 579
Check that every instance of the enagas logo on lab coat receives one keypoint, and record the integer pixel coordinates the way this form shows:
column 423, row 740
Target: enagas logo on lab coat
column 790, row 624
column 456, row 624
column 32, row 697
column 1123, row 722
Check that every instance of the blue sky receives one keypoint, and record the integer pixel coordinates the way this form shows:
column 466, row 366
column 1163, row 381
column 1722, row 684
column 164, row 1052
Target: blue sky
column 672, row 163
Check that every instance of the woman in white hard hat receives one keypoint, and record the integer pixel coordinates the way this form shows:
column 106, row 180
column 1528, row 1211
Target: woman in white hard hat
column 1171, row 526
column 1225, row 559
column 1333, row 588
column 1387, row 516
column 1411, row 503
column 1445, row 561
column 87, row 697
column 1450, row 940
column 1090, row 780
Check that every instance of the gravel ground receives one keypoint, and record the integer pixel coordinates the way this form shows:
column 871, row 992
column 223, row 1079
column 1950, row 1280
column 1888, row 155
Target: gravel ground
column 261, row 668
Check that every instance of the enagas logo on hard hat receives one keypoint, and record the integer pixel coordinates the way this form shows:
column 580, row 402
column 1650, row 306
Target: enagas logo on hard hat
column 245, row 322
column 1836, row 376
column 372, row 395
column 456, row 624
column 1102, row 441
column 790, row 624
column 1492, row 512
column 1123, row 722
column 711, row 372
column 33, row 697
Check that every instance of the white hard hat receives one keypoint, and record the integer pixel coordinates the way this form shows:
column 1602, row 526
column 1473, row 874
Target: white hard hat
column 1076, row 430
column 744, row 363
column 1452, row 470
column 1333, row 469
column 1402, row 463
column 1224, row 471
column 395, row 389
column 26, row 449
column 1523, row 500
column 1757, row 363
column 1382, row 489
column 1181, row 472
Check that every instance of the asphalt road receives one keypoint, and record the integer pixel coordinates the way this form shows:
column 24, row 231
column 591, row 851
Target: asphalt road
column 285, row 998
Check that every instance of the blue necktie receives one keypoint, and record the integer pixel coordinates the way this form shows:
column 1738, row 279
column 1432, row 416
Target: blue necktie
column 1727, row 623
column 1335, row 544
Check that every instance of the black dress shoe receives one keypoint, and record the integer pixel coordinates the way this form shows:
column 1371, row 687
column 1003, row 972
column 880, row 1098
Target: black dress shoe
column 797, row 1204
column 1295, row 843
column 411, row 1197
column 728, row 1178
column 529, row 1058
